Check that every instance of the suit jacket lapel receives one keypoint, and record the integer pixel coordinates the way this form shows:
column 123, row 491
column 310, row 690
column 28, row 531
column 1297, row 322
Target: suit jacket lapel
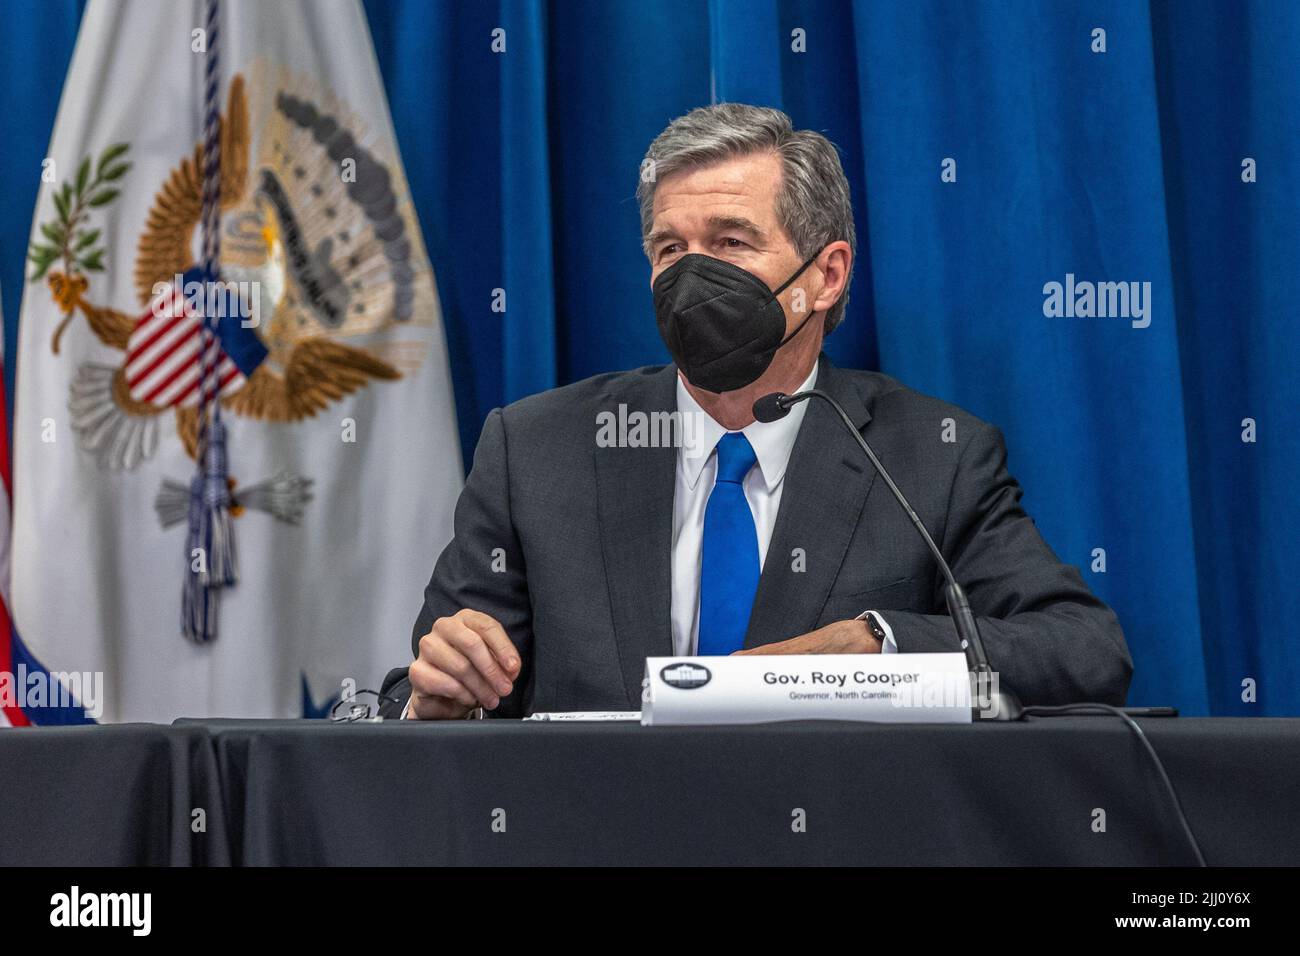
column 635, row 488
column 825, row 486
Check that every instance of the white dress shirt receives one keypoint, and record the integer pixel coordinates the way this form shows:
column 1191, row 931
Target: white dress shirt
column 697, row 468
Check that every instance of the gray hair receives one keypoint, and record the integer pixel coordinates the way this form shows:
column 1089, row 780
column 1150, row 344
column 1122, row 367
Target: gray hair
column 813, row 202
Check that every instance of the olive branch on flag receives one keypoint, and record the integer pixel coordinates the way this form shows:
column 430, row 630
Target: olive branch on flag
column 68, row 237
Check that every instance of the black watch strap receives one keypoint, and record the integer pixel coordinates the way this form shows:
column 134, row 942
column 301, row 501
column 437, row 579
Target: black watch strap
column 873, row 623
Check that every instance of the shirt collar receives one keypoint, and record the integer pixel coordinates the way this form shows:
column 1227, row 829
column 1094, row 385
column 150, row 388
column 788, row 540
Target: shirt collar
column 772, row 441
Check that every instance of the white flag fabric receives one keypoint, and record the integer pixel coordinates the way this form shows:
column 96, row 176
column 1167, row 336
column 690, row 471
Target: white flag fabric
column 343, row 453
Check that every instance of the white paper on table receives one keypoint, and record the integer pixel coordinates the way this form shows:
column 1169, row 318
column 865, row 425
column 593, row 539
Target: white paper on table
column 588, row 715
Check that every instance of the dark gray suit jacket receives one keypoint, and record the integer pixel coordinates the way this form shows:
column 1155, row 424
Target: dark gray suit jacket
column 586, row 532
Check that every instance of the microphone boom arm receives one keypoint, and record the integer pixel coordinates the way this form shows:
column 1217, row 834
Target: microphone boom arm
column 959, row 609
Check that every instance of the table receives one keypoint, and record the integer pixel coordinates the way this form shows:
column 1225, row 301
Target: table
column 118, row 795
column 525, row 793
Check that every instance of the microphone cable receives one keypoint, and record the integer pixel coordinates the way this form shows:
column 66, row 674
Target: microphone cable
column 1091, row 709
column 777, row 405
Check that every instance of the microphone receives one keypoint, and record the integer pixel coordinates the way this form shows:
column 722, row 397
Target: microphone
column 990, row 704
column 769, row 408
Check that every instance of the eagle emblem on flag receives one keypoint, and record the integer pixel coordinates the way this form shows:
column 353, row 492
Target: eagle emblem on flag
column 317, row 246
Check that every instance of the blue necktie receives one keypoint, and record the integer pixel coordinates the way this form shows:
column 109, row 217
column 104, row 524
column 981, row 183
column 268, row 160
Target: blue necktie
column 729, row 567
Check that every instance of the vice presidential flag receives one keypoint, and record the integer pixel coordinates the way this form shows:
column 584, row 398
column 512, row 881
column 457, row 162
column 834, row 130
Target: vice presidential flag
column 342, row 458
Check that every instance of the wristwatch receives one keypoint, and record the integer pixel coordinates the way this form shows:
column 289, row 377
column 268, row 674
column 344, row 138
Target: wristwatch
column 873, row 624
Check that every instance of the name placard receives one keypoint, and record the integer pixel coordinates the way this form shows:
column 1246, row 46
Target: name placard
column 754, row 689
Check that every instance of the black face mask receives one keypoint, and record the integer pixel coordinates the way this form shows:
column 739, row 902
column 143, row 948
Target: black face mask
column 722, row 324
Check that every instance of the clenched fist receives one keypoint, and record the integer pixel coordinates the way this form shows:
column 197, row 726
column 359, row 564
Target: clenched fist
column 466, row 661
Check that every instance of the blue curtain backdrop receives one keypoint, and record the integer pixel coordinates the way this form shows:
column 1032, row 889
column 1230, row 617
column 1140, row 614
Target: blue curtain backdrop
column 1119, row 166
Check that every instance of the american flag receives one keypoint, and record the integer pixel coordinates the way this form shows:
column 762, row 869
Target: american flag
column 163, row 365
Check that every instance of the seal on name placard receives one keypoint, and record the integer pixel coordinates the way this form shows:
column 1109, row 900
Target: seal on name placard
column 685, row 676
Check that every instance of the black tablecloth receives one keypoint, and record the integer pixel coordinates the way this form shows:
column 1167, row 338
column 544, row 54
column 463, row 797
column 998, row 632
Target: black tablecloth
column 119, row 795
column 506, row 792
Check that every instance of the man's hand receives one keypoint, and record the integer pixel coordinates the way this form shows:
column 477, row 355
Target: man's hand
column 466, row 661
column 842, row 637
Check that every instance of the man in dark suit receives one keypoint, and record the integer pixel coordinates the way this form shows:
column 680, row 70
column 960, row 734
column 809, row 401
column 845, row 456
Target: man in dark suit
column 647, row 513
